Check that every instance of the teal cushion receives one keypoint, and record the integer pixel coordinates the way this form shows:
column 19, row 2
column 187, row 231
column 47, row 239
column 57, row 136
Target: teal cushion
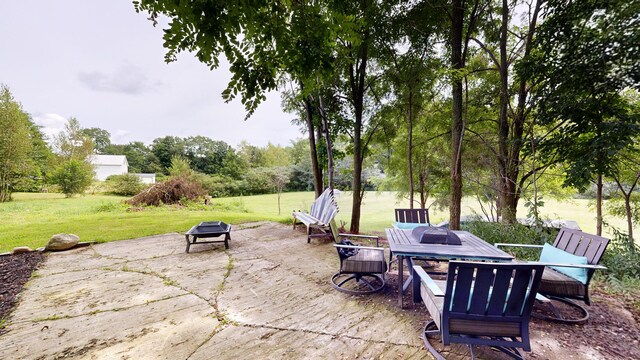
column 407, row 226
column 552, row 254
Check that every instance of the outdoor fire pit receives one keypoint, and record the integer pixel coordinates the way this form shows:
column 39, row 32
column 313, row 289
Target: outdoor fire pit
column 208, row 229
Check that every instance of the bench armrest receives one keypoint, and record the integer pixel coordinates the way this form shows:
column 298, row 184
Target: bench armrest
column 498, row 245
column 358, row 247
column 370, row 237
column 580, row 266
column 427, row 280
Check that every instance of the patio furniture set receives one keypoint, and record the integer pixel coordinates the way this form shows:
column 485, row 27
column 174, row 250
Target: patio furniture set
column 486, row 296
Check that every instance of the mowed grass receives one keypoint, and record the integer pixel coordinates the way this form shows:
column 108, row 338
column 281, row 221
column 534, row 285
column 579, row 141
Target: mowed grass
column 31, row 219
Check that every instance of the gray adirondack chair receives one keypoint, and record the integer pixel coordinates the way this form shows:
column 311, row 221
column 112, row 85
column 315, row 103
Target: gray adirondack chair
column 480, row 304
column 558, row 286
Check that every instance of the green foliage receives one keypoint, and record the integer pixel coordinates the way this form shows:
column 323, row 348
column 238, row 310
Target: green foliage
column 179, row 167
column 72, row 143
column 124, row 185
column 15, row 143
column 73, row 176
column 101, row 138
column 109, row 206
column 512, row 234
column 622, row 257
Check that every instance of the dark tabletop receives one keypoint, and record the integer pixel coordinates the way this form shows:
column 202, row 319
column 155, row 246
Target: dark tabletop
column 473, row 248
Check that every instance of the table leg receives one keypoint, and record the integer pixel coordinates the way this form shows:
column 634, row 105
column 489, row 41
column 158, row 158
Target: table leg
column 400, row 279
column 227, row 237
column 188, row 243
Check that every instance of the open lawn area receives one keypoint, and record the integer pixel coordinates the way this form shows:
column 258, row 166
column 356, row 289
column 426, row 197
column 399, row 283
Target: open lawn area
column 31, row 219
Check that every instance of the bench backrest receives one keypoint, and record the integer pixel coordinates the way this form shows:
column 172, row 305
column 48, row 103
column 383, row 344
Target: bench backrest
column 420, row 216
column 325, row 207
column 478, row 293
column 581, row 244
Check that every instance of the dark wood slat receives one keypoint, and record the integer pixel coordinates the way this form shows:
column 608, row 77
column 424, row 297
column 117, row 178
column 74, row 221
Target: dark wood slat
column 571, row 247
column 462, row 292
column 518, row 292
column 562, row 239
column 499, row 292
column 481, row 286
column 582, row 247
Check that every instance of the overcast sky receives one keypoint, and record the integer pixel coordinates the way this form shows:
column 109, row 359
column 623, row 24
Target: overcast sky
column 103, row 63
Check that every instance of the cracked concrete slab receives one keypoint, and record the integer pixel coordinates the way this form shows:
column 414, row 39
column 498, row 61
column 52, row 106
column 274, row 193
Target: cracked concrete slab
column 268, row 296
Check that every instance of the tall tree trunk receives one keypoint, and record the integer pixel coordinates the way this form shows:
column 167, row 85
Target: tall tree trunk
column 627, row 210
column 315, row 165
column 504, row 183
column 457, row 24
column 410, row 149
column 516, row 142
column 599, row 205
column 327, row 139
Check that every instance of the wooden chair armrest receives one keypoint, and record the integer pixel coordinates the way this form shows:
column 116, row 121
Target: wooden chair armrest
column 580, row 266
column 518, row 245
column 427, row 280
column 363, row 237
column 358, row 247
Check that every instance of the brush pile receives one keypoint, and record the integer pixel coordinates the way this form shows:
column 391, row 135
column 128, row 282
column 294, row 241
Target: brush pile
column 172, row 191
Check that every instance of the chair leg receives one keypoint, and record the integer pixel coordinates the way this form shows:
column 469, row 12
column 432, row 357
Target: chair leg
column 431, row 331
column 511, row 351
column 375, row 283
column 557, row 315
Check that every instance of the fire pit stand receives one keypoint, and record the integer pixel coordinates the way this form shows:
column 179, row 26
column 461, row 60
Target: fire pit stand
column 208, row 229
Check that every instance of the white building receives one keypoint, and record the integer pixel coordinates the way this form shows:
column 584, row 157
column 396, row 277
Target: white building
column 147, row 178
column 106, row 165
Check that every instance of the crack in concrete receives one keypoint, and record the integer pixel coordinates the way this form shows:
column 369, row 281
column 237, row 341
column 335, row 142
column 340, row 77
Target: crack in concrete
column 324, row 333
column 54, row 318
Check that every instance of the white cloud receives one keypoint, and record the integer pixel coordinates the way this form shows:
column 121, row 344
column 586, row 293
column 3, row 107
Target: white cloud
column 126, row 79
column 52, row 124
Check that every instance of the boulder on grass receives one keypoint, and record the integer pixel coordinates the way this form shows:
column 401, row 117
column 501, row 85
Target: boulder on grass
column 62, row 242
column 21, row 249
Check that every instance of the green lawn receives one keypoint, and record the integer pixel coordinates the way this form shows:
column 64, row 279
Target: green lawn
column 31, row 219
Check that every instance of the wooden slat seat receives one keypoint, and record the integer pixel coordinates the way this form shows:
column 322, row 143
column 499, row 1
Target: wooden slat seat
column 481, row 303
column 420, row 216
column 561, row 287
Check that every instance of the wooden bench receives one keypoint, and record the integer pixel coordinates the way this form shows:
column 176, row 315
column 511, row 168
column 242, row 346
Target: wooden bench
column 323, row 210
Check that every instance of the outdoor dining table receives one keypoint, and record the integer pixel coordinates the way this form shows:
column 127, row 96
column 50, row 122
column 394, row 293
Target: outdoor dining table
column 403, row 245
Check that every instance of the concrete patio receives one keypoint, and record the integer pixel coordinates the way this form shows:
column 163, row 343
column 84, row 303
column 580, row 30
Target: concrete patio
column 267, row 297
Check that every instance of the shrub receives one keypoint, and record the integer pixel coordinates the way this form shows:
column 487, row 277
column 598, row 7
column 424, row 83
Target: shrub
column 125, row 185
column 513, row 234
column 172, row 191
column 73, row 177
column 622, row 257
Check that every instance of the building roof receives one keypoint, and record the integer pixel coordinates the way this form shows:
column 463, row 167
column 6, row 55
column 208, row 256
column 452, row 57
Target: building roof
column 108, row 160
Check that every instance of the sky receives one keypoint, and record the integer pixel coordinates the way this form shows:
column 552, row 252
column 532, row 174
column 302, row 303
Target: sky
column 102, row 63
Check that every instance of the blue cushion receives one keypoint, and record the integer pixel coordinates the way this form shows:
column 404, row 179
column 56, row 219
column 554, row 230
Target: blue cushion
column 407, row 226
column 552, row 254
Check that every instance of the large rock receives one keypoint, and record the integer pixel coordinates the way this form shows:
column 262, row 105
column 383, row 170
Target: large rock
column 21, row 249
column 62, row 242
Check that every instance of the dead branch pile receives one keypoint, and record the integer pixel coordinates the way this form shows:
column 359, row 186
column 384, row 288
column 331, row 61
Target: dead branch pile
column 168, row 192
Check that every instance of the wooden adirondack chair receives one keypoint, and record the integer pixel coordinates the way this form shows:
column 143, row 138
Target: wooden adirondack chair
column 480, row 304
column 418, row 216
column 559, row 286
column 323, row 210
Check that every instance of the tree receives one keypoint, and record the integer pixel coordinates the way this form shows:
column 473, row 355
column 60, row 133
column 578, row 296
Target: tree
column 73, row 176
column 15, row 143
column 72, row 143
column 165, row 148
column 279, row 178
column 180, row 167
column 101, row 138
column 581, row 65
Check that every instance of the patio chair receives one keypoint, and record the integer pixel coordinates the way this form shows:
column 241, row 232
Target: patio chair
column 362, row 268
column 323, row 210
column 571, row 263
column 481, row 304
column 411, row 218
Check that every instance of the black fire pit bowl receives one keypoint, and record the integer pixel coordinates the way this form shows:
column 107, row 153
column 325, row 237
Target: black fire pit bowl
column 435, row 235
